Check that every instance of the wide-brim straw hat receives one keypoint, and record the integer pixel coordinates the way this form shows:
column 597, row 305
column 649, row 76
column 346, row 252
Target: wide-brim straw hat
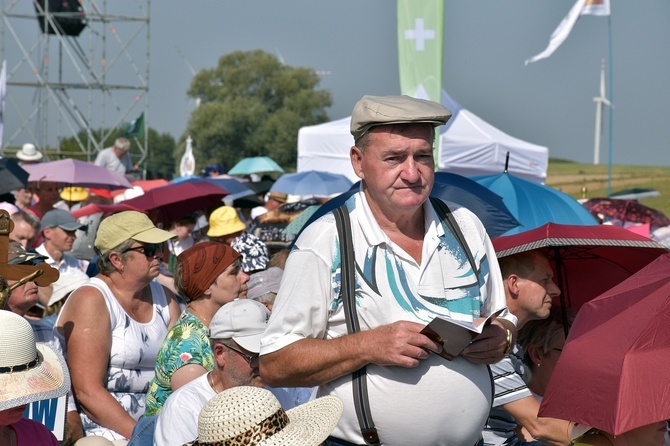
column 28, row 372
column 247, row 415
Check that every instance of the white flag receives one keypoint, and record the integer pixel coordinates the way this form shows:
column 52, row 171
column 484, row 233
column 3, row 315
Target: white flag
column 3, row 88
column 582, row 7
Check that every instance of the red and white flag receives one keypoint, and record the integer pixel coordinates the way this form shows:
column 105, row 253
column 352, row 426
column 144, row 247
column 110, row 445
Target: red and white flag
column 582, row 7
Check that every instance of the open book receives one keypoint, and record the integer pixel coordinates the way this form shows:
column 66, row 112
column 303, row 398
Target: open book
column 454, row 335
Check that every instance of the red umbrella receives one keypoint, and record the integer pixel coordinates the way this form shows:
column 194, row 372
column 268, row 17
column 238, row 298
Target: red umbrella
column 587, row 260
column 150, row 184
column 626, row 210
column 167, row 203
column 614, row 372
column 105, row 209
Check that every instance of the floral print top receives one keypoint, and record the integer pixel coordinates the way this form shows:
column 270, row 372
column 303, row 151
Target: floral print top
column 186, row 343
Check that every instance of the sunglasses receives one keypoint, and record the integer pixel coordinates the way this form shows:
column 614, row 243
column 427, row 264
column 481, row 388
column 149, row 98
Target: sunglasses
column 253, row 360
column 149, row 250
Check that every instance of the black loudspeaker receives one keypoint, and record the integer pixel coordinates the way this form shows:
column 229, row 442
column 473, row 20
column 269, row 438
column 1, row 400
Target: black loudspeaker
column 67, row 15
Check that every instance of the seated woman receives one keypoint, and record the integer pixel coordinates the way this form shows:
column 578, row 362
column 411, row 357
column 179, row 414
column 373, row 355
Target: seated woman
column 542, row 341
column 207, row 275
column 113, row 326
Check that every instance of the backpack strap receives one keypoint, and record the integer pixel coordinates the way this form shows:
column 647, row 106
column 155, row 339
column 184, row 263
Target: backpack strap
column 348, row 294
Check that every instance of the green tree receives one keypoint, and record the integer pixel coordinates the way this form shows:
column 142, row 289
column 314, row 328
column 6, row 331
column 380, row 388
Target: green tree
column 252, row 105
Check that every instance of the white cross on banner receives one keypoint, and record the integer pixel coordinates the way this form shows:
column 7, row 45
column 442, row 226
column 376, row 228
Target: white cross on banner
column 419, row 34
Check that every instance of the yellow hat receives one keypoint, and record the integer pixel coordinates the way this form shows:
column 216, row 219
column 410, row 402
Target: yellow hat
column 224, row 221
column 74, row 193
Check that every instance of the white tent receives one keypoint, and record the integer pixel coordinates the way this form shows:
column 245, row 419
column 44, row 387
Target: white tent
column 468, row 145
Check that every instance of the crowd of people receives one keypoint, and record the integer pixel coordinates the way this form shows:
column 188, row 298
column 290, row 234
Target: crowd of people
column 199, row 332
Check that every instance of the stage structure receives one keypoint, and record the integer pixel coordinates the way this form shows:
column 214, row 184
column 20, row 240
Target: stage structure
column 75, row 68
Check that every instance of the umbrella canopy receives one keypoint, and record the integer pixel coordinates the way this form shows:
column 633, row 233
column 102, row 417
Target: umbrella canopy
column 458, row 189
column 626, row 210
column 12, row 176
column 105, row 209
column 534, row 204
column 78, row 173
column 150, row 184
column 587, row 260
column 255, row 164
column 235, row 188
column 614, row 373
column 311, row 183
column 167, row 203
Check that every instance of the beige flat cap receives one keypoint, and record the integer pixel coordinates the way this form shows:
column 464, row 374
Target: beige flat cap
column 371, row 111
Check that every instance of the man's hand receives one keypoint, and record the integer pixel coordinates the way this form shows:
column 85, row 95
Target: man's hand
column 400, row 343
column 490, row 346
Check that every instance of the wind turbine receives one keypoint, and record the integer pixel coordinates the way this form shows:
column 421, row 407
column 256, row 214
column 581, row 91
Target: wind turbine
column 600, row 102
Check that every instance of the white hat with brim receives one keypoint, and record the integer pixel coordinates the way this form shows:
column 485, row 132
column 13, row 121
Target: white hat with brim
column 67, row 282
column 29, row 153
column 238, row 414
column 28, row 372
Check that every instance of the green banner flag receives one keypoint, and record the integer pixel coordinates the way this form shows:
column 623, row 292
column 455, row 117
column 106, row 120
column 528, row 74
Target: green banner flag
column 135, row 128
column 420, row 43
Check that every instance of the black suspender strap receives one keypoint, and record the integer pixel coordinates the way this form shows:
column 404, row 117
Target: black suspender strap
column 347, row 291
column 445, row 215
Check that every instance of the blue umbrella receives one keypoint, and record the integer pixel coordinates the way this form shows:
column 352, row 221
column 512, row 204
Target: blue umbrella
column 311, row 183
column 458, row 189
column 534, row 204
column 255, row 164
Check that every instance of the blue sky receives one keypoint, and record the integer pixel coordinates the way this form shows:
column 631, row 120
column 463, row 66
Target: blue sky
column 549, row 102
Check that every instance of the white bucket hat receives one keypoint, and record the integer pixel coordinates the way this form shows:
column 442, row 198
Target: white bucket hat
column 247, row 415
column 29, row 153
column 28, row 372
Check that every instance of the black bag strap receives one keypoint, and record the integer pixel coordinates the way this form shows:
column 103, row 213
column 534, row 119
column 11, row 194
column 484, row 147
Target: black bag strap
column 347, row 292
column 445, row 215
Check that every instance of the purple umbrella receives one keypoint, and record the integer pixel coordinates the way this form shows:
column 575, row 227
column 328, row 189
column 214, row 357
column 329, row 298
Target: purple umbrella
column 74, row 172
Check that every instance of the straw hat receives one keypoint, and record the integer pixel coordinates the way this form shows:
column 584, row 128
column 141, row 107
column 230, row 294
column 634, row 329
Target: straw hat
column 29, row 153
column 247, row 415
column 28, row 372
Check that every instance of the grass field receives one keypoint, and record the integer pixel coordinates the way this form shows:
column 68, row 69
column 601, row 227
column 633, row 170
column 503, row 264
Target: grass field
column 589, row 181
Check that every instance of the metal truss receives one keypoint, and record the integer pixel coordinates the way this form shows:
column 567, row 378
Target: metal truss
column 62, row 86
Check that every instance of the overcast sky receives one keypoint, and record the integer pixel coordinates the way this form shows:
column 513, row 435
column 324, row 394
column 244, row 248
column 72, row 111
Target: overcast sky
column 549, row 102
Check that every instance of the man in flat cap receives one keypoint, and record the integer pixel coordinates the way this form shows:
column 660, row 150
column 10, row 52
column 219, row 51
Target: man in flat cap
column 415, row 259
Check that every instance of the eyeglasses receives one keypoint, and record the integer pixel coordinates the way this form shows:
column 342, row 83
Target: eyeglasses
column 557, row 349
column 149, row 250
column 253, row 360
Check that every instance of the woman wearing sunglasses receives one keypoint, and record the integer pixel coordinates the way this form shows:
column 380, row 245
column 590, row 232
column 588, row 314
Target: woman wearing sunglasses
column 113, row 326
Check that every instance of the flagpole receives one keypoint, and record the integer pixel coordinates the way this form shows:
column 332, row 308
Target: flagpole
column 611, row 108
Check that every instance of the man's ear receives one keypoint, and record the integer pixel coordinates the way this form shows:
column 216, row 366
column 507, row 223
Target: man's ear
column 46, row 233
column 512, row 284
column 219, row 350
column 356, row 156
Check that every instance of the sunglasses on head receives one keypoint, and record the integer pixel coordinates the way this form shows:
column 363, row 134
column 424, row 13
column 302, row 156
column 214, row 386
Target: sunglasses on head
column 149, row 249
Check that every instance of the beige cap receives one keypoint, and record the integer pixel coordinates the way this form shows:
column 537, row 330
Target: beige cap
column 127, row 225
column 371, row 111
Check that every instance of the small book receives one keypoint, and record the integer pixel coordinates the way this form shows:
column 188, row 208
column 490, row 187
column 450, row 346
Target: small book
column 455, row 335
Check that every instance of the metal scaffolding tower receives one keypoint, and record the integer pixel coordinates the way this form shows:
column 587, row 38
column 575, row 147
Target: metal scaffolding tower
column 80, row 72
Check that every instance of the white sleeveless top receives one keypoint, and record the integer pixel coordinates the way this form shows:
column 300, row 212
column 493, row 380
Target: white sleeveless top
column 133, row 353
